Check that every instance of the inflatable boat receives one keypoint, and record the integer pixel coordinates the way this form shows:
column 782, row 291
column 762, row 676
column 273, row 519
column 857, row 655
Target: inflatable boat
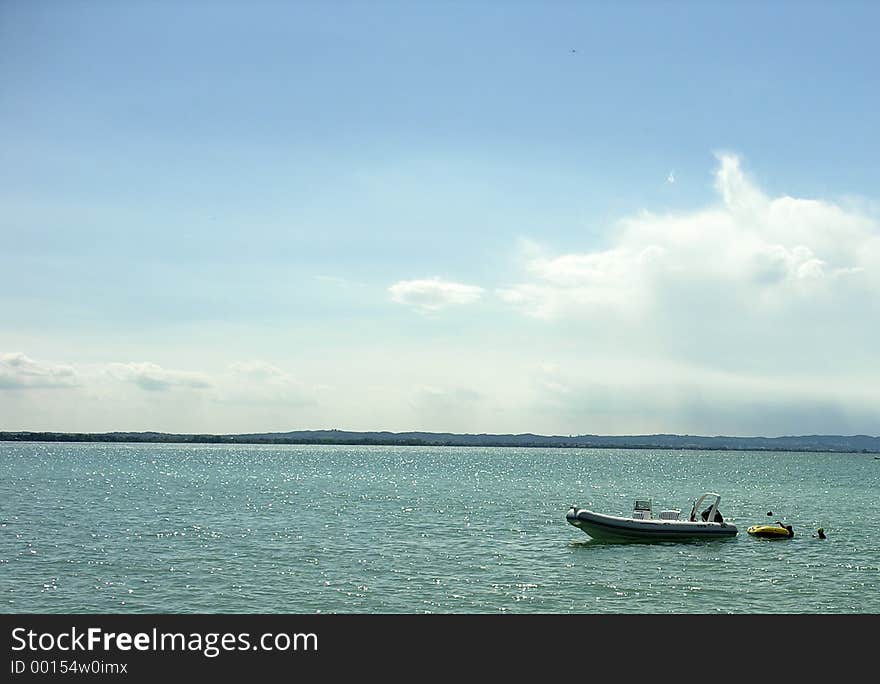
column 643, row 527
column 775, row 531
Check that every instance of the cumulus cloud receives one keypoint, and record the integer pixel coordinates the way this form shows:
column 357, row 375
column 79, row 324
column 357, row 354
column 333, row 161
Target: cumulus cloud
column 753, row 313
column 749, row 251
column 246, row 396
column 18, row 371
column 756, row 313
column 433, row 294
column 153, row 378
column 611, row 280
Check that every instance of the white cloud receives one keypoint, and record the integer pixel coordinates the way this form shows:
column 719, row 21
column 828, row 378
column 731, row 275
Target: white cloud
column 753, row 314
column 756, row 314
column 606, row 280
column 748, row 252
column 18, row 371
column 247, row 396
column 433, row 294
column 152, row 377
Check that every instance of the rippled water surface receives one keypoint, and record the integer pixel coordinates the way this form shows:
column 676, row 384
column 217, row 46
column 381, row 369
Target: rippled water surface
column 115, row 528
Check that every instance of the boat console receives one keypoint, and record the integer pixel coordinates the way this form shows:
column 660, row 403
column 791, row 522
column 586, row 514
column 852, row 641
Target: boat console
column 642, row 509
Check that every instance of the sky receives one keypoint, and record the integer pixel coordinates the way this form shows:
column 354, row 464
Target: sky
column 484, row 217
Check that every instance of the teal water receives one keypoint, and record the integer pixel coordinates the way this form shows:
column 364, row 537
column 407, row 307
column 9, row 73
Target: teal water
column 98, row 528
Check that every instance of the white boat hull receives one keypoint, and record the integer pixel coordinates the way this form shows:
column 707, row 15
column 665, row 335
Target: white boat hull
column 616, row 529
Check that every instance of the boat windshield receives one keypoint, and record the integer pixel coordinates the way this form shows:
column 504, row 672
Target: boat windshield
column 712, row 500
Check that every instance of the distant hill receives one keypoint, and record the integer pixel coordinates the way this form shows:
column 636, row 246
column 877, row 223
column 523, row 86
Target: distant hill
column 832, row 443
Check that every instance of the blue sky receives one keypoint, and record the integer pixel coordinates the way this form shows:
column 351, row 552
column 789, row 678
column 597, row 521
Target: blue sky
column 563, row 217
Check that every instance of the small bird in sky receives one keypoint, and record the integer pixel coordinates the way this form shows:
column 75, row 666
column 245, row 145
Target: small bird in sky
column 671, row 177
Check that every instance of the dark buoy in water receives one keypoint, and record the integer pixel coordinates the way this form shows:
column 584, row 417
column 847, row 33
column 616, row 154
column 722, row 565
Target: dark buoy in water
column 820, row 533
column 769, row 512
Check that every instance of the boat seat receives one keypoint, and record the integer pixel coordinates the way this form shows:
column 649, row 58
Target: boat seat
column 641, row 515
column 670, row 515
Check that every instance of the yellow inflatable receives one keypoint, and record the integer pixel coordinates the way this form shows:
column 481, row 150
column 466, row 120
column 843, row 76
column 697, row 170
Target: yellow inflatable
column 771, row 531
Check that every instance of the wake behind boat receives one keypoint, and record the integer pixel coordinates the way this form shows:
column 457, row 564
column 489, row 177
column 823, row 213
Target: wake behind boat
column 642, row 527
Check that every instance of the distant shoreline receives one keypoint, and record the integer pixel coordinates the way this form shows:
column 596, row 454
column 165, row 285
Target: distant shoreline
column 807, row 443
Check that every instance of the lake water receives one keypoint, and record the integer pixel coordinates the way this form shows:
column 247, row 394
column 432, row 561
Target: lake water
column 116, row 528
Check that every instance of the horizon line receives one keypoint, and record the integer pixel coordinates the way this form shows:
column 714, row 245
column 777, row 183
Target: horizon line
column 435, row 432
